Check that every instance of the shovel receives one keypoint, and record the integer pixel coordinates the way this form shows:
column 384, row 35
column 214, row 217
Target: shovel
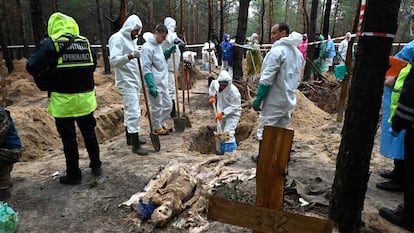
column 187, row 82
column 218, row 121
column 154, row 137
column 218, row 129
column 187, row 120
column 179, row 123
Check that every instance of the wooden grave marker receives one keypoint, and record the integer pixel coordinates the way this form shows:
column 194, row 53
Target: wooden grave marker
column 268, row 215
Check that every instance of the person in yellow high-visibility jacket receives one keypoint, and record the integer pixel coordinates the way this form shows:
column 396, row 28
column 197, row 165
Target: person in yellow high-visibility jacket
column 71, row 89
column 402, row 117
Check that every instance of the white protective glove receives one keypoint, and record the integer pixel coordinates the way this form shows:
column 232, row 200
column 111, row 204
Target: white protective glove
column 136, row 54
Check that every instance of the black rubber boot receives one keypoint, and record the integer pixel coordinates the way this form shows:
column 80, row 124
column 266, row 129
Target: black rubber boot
column 397, row 217
column 5, row 194
column 136, row 146
column 392, row 185
column 73, row 178
column 173, row 113
column 5, row 181
column 128, row 138
column 397, row 173
column 70, row 180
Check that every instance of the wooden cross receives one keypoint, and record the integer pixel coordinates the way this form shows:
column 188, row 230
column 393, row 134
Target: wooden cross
column 268, row 215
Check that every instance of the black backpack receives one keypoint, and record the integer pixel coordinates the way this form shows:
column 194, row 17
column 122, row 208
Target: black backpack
column 42, row 79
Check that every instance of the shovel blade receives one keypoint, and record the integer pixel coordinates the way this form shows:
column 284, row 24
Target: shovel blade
column 155, row 140
column 179, row 124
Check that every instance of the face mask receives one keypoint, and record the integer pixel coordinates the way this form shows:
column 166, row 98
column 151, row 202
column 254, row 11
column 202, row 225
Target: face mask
column 222, row 86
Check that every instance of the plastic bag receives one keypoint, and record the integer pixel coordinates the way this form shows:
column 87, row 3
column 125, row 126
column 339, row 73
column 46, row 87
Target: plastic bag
column 8, row 219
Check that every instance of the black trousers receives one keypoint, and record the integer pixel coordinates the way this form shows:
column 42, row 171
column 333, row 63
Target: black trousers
column 7, row 158
column 67, row 130
column 409, row 173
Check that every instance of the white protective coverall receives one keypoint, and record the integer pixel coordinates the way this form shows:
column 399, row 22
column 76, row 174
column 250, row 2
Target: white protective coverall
column 189, row 56
column 153, row 61
column 206, row 55
column 228, row 102
column 171, row 24
column 126, row 71
column 343, row 47
column 281, row 70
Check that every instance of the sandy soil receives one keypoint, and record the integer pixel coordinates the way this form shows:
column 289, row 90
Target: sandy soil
column 44, row 205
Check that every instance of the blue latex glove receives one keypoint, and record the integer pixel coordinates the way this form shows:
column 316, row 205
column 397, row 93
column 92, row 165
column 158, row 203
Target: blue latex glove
column 145, row 210
column 393, row 132
column 169, row 51
column 261, row 93
column 149, row 79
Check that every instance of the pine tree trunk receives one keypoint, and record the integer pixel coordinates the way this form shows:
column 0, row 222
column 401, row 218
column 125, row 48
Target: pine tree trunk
column 286, row 10
column 241, row 36
column 361, row 117
column 151, row 13
column 6, row 51
column 335, row 17
column 4, row 32
column 38, row 27
column 181, row 18
column 269, row 20
column 299, row 4
column 169, row 7
column 222, row 26
column 345, row 83
column 322, row 17
column 327, row 14
column 261, row 18
column 305, row 17
column 102, row 38
column 22, row 31
column 311, row 37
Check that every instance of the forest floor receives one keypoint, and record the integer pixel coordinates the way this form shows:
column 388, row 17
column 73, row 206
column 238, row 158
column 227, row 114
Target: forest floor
column 45, row 205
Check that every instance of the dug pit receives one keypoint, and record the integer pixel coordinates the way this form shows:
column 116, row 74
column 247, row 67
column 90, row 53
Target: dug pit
column 205, row 142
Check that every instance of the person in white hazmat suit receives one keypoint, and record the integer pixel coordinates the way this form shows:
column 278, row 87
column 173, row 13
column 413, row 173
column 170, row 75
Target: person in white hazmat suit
column 172, row 40
column 209, row 55
column 155, row 69
column 280, row 76
column 343, row 47
column 123, row 50
column 228, row 108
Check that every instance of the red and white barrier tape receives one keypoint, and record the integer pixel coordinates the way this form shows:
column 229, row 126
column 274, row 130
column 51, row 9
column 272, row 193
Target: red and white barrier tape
column 361, row 15
column 377, row 34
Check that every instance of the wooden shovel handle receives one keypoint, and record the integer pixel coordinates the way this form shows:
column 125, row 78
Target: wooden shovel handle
column 218, row 121
column 175, row 84
column 141, row 75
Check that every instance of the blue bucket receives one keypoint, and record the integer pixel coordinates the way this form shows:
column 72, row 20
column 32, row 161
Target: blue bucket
column 227, row 147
